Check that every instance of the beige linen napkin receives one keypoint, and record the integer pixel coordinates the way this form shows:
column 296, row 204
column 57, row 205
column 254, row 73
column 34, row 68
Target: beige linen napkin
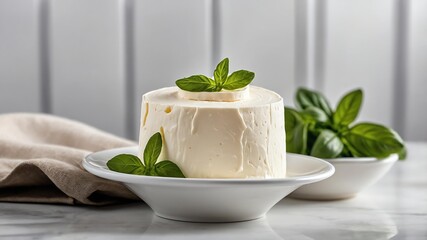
column 40, row 161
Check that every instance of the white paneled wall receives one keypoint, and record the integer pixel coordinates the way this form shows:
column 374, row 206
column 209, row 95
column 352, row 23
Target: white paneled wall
column 20, row 88
column 416, row 90
column 172, row 41
column 91, row 60
column 87, row 79
column 359, row 53
column 260, row 38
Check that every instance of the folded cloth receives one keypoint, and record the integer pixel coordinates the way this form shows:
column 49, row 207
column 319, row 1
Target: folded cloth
column 40, row 161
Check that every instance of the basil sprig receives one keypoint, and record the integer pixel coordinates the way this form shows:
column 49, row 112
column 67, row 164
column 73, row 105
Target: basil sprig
column 126, row 163
column 201, row 83
column 315, row 129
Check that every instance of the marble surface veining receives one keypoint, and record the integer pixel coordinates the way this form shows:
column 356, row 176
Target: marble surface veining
column 395, row 207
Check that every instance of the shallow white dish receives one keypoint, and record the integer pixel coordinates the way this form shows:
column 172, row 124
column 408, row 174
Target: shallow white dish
column 211, row 200
column 352, row 175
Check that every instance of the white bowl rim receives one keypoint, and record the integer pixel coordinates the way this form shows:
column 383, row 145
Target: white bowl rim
column 327, row 171
column 391, row 158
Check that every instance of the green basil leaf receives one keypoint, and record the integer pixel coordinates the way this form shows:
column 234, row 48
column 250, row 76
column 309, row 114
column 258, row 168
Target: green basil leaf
column 352, row 150
column 140, row 171
column 327, row 145
column 221, row 72
column 299, row 139
column 167, row 168
column 374, row 140
column 345, row 152
column 348, row 108
column 402, row 154
column 316, row 114
column 126, row 163
column 312, row 134
column 292, row 118
column 152, row 150
column 238, row 79
column 152, row 172
column 196, row 83
column 296, row 132
column 306, row 98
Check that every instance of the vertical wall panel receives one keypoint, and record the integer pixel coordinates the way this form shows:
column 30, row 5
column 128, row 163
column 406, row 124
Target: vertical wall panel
column 416, row 114
column 86, row 62
column 304, row 35
column 359, row 53
column 171, row 41
column 259, row 36
column 19, row 56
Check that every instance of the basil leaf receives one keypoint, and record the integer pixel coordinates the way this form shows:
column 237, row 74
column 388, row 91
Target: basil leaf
column 167, row 168
column 152, row 172
column 306, row 98
column 126, row 163
column 238, row 79
column 196, row 83
column 296, row 132
column 345, row 152
column 152, row 150
column 327, row 145
column 351, row 149
column 402, row 154
column 316, row 114
column 221, row 72
column 312, row 134
column 348, row 108
column 299, row 140
column 374, row 140
column 140, row 171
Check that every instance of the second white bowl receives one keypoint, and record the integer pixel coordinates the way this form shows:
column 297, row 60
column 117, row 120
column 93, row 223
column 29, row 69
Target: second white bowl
column 351, row 176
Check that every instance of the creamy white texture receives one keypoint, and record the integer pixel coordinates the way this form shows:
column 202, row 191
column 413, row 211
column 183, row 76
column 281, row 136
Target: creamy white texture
column 206, row 139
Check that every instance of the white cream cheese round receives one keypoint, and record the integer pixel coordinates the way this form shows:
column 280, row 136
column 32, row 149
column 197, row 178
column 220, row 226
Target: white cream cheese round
column 218, row 139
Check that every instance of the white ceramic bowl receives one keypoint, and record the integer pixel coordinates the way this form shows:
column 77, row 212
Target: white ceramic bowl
column 212, row 200
column 351, row 176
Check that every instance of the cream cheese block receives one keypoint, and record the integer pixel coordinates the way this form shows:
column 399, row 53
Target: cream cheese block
column 237, row 134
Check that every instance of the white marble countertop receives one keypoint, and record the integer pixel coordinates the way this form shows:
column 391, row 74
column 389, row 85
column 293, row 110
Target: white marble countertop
column 396, row 207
